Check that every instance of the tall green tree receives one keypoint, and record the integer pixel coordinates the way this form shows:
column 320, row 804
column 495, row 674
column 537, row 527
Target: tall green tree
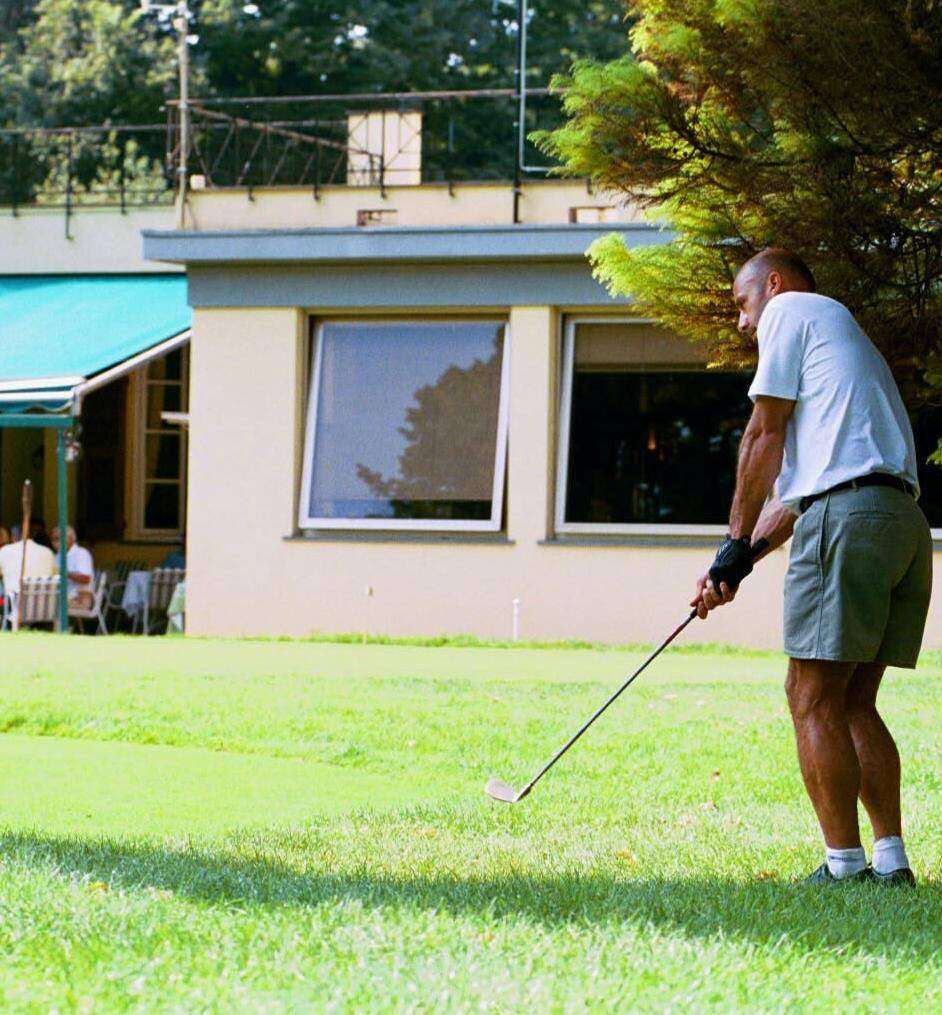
column 86, row 62
column 323, row 47
column 812, row 124
column 13, row 15
column 295, row 47
column 93, row 61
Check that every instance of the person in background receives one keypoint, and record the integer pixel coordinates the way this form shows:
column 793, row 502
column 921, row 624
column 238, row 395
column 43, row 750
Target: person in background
column 80, row 567
column 175, row 558
column 40, row 561
column 39, row 534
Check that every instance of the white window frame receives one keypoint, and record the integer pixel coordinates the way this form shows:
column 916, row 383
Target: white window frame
column 564, row 528
column 493, row 524
column 137, row 457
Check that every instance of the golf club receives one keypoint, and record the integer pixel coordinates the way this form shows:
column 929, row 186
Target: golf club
column 497, row 789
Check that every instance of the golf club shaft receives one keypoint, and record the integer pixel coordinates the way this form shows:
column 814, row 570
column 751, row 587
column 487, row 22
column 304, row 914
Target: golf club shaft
column 539, row 775
column 758, row 547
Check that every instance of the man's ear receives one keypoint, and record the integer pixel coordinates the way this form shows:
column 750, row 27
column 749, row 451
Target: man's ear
column 773, row 283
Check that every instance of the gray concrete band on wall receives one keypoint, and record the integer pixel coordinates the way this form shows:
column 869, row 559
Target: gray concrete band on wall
column 490, row 266
column 495, row 284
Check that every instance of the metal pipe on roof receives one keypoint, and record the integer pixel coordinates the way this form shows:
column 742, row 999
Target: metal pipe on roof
column 280, row 100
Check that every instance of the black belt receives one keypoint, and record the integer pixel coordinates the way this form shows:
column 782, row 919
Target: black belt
column 873, row 479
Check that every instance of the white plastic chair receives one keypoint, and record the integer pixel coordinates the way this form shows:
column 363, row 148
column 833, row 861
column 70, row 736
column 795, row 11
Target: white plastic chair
column 97, row 610
column 117, row 581
column 38, row 601
column 163, row 580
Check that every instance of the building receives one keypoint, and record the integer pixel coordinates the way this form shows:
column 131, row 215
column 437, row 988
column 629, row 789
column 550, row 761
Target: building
column 413, row 411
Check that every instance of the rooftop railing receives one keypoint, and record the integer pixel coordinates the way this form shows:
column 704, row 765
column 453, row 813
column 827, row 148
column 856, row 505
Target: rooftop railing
column 380, row 140
column 62, row 167
column 366, row 139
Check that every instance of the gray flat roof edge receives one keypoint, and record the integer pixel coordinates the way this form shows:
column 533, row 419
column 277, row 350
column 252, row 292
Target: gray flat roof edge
column 390, row 243
column 535, row 227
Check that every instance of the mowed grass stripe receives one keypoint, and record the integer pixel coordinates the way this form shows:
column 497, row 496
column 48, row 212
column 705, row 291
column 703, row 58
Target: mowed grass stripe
column 37, row 655
column 100, row 789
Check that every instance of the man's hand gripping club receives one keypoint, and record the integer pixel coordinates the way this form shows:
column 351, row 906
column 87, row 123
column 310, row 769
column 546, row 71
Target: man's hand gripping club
column 732, row 563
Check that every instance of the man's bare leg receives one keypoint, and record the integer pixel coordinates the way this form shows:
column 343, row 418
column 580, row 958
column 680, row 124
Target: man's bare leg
column 876, row 751
column 879, row 775
column 817, row 692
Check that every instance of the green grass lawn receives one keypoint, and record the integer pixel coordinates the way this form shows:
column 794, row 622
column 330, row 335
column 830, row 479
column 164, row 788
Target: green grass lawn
column 195, row 825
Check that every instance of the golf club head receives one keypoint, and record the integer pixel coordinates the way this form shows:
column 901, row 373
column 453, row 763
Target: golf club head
column 497, row 789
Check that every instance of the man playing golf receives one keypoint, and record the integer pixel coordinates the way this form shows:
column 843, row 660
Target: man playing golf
column 829, row 431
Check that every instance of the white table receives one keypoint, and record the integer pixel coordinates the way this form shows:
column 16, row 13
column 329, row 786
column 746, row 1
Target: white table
column 136, row 594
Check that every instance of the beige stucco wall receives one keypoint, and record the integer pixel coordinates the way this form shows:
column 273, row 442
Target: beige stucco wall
column 246, row 578
column 469, row 204
column 34, row 241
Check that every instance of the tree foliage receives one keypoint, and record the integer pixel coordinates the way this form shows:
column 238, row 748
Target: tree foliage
column 737, row 124
column 87, row 61
column 299, row 47
column 80, row 62
column 13, row 15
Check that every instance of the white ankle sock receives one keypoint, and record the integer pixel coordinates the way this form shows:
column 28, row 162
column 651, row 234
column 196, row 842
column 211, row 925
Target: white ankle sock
column 844, row 862
column 889, row 855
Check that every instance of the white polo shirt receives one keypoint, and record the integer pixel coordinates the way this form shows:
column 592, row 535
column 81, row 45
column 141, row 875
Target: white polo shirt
column 40, row 563
column 79, row 561
column 849, row 419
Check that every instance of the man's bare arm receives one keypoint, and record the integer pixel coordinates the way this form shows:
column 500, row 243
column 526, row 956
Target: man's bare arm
column 775, row 525
column 753, row 513
column 760, row 462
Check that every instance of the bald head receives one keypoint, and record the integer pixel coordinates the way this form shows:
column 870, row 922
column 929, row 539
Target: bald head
column 795, row 273
column 70, row 537
column 770, row 272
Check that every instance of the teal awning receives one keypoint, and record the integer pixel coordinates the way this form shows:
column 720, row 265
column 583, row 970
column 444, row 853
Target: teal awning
column 58, row 333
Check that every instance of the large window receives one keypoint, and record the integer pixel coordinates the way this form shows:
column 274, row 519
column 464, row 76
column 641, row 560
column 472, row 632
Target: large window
column 407, row 425
column 648, row 436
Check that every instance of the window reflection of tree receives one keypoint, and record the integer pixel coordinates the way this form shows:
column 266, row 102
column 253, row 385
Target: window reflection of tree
column 446, row 469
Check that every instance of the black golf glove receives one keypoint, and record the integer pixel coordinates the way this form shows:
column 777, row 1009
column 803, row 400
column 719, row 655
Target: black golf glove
column 733, row 562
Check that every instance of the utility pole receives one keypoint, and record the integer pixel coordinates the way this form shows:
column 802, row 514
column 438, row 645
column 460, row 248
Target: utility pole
column 180, row 19
column 520, row 83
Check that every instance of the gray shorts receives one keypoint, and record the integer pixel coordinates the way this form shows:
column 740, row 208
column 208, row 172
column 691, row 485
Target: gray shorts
column 859, row 578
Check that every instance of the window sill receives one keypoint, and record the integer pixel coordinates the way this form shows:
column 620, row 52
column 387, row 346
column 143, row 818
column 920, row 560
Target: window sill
column 349, row 536
column 147, row 540
column 635, row 540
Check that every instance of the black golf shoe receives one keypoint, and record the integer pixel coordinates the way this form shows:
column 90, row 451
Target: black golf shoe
column 823, row 876
column 900, row 878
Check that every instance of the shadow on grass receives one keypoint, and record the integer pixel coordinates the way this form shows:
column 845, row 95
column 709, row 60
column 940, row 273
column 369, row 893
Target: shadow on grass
column 854, row 919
